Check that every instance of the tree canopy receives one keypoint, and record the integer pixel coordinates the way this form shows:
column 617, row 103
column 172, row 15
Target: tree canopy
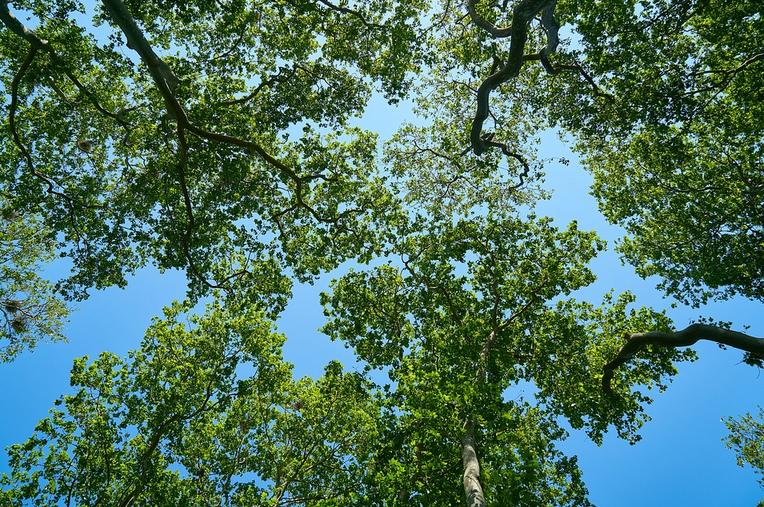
column 221, row 138
column 31, row 310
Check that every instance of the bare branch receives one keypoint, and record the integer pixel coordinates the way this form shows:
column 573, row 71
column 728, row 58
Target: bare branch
column 510, row 154
column 684, row 338
column 522, row 14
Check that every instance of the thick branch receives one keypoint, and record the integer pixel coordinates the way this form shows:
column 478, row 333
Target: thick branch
column 497, row 32
column 163, row 76
column 552, row 28
column 165, row 81
column 522, row 14
column 684, row 338
column 17, row 27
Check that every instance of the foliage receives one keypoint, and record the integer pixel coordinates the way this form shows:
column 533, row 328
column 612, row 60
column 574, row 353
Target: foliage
column 262, row 166
column 675, row 148
column 201, row 414
column 30, row 310
column 468, row 317
column 663, row 100
column 746, row 438
column 220, row 138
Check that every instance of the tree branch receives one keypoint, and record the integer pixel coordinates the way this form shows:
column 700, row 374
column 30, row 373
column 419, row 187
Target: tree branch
column 352, row 12
column 522, row 14
column 17, row 27
column 37, row 43
column 163, row 76
column 510, row 154
column 165, row 81
column 495, row 31
column 684, row 338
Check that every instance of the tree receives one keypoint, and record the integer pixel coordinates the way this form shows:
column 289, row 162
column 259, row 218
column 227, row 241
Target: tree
column 663, row 100
column 474, row 309
column 29, row 307
column 218, row 137
column 220, row 143
column 679, row 166
column 201, row 414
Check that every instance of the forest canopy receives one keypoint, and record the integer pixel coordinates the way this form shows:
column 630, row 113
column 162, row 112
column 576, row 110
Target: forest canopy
column 221, row 138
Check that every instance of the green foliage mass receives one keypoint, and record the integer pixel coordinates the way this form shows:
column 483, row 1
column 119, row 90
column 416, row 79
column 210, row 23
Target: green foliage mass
column 99, row 155
column 205, row 412
column 746, row 438
column 30, row 310
column 221, row 138
column 675, row 149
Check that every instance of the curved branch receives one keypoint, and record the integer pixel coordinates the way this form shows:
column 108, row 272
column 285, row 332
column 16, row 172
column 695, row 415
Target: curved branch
column 495, row 31
column 37, row 43
column 552, row 28
column 25, row 153
column 684, row 338
column 511, row 154
column 522, row 14
column 166, row 82
column 552, row 69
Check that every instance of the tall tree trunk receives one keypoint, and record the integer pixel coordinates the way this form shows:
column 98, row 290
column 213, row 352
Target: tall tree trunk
column 473, row 491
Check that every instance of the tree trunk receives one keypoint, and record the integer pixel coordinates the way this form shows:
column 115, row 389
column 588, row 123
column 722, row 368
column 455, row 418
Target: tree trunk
column 473, row 491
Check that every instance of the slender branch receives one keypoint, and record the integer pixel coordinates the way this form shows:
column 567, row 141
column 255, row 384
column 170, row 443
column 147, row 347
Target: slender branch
column 511, row 154
column 266, row 83
column 27, row 156
column 684, row 338
column 751, row 60
column 352, row 12
column 37, row 43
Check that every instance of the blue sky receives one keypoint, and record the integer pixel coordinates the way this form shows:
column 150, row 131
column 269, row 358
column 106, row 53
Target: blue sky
column 681, row 460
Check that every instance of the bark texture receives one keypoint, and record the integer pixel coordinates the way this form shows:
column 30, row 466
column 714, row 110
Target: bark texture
column 473, row 491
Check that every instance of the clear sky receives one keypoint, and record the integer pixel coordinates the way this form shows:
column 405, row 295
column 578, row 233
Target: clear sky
column 681, row 460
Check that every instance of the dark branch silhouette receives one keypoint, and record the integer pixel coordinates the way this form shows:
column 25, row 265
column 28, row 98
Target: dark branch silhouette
column 501, row 72
column 684, row 338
